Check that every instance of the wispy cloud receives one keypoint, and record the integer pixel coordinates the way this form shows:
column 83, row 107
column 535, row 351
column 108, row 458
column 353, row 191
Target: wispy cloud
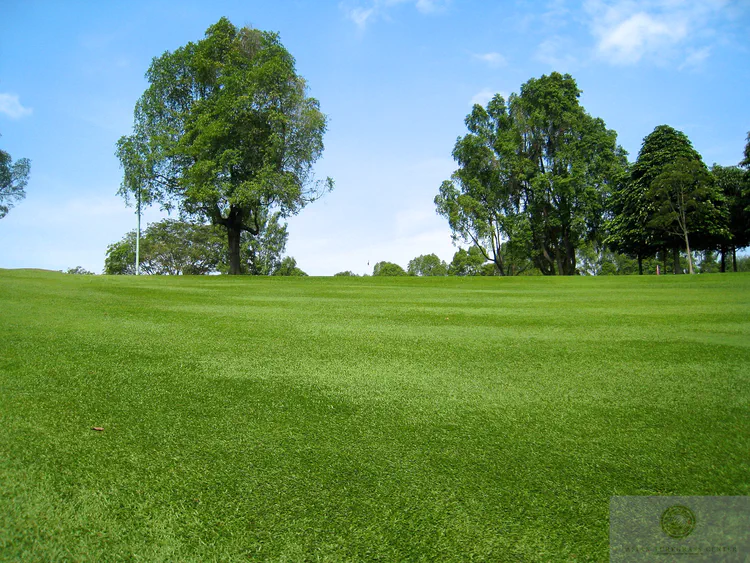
column 492, row 59
column 11, row 106
column 364, row 13
column 695, row 58
column 485, row 95
column 629, row 31
column 557, row 51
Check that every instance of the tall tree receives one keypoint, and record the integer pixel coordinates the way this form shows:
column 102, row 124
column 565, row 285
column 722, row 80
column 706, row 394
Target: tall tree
column 640, row 236
column 226, row 132
column 686, row 201
column 467, row 262
column 534, row 176
column 13, row 179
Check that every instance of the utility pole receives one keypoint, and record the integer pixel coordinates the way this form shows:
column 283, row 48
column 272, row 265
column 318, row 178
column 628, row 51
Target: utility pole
column 138, row 236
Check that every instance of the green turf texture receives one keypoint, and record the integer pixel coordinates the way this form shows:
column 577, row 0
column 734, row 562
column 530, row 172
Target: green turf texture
column 360, row 419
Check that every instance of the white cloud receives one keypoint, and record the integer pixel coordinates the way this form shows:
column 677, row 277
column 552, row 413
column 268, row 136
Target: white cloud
column 629, row 31
column 492, row 59
column 11, row 106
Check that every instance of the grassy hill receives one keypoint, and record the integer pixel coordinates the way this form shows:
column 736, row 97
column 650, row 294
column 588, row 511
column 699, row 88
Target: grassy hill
column 360, row 419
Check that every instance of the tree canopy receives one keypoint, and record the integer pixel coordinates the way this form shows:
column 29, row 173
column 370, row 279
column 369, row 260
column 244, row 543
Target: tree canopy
column 387, row 269
column 13, row 179
column 427, row 265
column 227, row 133
column 534, row 175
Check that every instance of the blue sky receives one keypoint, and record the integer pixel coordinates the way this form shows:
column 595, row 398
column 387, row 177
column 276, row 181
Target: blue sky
column 395, row 77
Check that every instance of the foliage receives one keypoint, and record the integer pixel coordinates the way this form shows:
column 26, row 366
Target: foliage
column 734, row 185
column 169, row 247
column 533, row 179
column 288, row 267
column 685, row 201
column 13, row 179
column 467, row 262
column 387, row 269
column 262, row 253
column 226, row 132
column 79, row 270
column 346, row 273
column 427, row 265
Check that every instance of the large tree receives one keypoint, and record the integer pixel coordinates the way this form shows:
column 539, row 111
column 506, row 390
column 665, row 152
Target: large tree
column 13, row 179
column 226, row 132
column 533, row 179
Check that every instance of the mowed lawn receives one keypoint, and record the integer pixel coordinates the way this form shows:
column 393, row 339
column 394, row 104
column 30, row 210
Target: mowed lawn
column 360, row 419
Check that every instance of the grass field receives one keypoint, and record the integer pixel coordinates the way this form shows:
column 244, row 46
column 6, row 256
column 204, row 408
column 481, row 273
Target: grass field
column 360, row 419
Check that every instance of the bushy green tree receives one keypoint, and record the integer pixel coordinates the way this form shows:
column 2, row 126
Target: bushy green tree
column 226, row 132
column 387, row 269
column 427, row 265
column 467, row 262
column 169, row 247
column 262, row 254
column 288, row 267
column 346, row 273
column 534, row 177
column 686, row 202
column 13, row 179
column 734, row 185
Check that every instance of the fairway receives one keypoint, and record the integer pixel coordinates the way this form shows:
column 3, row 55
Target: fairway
column 360, row 419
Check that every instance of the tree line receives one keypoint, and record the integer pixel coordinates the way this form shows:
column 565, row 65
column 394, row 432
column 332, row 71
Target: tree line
column 543, row 186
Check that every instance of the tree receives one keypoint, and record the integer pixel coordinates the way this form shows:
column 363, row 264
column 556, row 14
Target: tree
column 227, row 133
column 467, row 263
column 387, row 269
column 632, row 229
column 13, row 179
column 169, row 247
column 534, row 177
column 288, row 267
column 265, row 250
column 346, row 273
column 686, row 201
column 734, row 185
column 80, row 271
column 427, row 265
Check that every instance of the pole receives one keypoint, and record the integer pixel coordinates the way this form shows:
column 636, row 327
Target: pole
column 138, row 238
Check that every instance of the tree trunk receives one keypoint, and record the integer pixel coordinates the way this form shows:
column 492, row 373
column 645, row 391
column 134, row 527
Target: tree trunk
column 676, row 259
column 640, row 265
column 690, row 258
column 234, row 233
column 734, row 258
column 723, row 259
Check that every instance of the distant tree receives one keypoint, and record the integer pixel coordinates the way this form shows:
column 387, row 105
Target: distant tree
column 346, row 273
column 388, row 269
column 169, row 247
column 226, row 132
column 264, row 251
column 79, row 271
column 13, row 179
column 427, row 265
column 734, row 185
column 467, row 263
column 288, row 267
column 686, row 202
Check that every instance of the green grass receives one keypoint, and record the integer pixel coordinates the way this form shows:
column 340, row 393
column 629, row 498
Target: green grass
column 360, row 419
